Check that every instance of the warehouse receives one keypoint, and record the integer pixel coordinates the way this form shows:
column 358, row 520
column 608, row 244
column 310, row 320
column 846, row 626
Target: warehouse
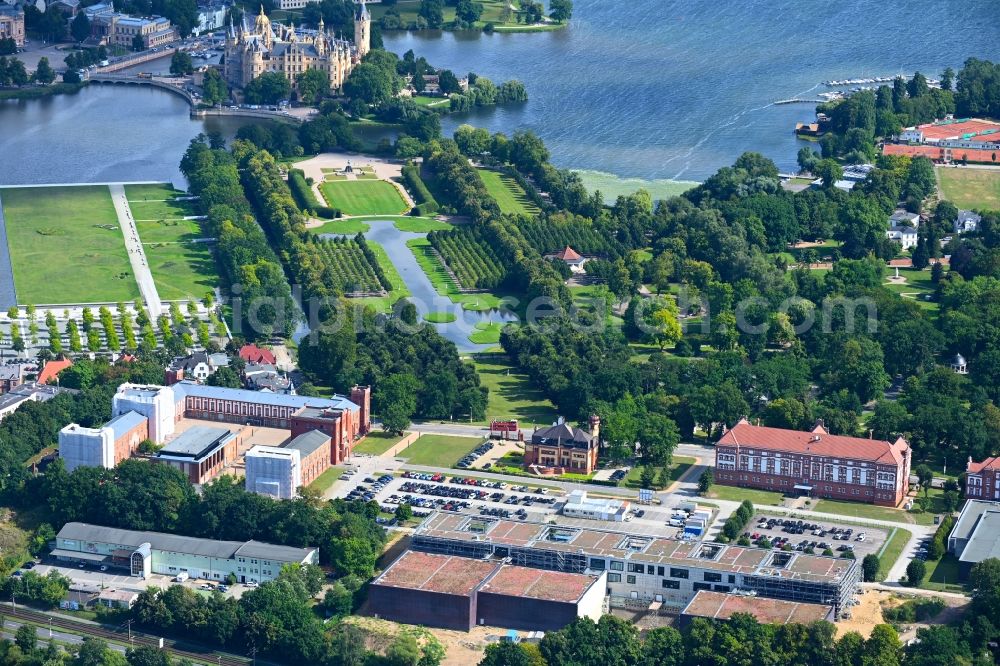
column 145, row 553
column 720, row 606
column 976, row 535
column 643, row 569
column 452, row 592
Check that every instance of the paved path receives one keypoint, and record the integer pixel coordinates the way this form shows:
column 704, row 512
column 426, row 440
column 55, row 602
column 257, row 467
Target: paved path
column 8, row 296
column 136, row 255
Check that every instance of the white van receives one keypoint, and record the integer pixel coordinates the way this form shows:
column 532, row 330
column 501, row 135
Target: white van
column 181, row 577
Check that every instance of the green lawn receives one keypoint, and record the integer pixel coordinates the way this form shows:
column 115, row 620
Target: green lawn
column 872, row 512
column 66, row 245
column 181, row 270
column 970, row 188
column 763, row 497
column 326, row 479
column 511, row 393
column 363, row 197
column 440, row 317
column 399, row 289
column 350, row 227
column 420, row 225
column 891, row 550
column 424, row 100
column 679, row 466
column 486, row 333
column 436, row 273
column 152, row 192
column 509, row 195
column 377, row 443
column 168, row 231
column 439, row 450
column 944, row 575
column 492, row 9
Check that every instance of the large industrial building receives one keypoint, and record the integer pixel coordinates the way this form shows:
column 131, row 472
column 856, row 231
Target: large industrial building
column 815, row 463
column 454, row 592
column 642, row 569
column 280, row 471
column 145, row 553
column 976, row 534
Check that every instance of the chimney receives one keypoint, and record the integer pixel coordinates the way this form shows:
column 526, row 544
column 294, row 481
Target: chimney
column 595, row 427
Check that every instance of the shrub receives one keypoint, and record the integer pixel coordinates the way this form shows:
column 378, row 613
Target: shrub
column 938, row 546
column 916, row 570
column 423, row 197
column 303, row 194
column 326, row 212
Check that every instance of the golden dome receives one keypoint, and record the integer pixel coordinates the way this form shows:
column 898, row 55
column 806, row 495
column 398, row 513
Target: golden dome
column 263, row 24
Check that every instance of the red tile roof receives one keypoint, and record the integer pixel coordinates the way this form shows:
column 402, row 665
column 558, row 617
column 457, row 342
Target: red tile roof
column 568, row 254
column 51, row 369
column 943, row 154
column 989, row 463
column 817, row 442
column 254, row 354
column 957, row 130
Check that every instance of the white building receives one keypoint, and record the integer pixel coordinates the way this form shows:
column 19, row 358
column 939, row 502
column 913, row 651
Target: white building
column 273, row 471
column 210, row 17
column 102, row 447
column 156, row 403
column 578, row 505
column 967, row 220
column 903, row 228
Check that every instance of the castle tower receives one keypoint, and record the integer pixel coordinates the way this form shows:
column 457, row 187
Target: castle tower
column 262, row 27
column 363, row 31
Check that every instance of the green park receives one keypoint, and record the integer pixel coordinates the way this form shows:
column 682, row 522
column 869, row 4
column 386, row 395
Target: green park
column 363, row 197
column 970, row 188
column 510, row 196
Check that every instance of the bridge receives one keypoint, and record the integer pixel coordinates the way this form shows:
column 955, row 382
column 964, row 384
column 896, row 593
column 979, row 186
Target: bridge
column 125, row 79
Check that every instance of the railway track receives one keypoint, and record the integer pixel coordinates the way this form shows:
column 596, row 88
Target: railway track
column 121, row 636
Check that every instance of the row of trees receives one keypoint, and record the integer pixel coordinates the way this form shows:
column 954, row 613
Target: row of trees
column 473, row 262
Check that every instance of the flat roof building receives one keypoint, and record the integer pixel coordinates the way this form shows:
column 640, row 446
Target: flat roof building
column 280, row 471
column 719, row 606
column 976, row 534
column 201, row 452
column 143, row 553
column 643, row 569
column 578, row 505
column 455, row 592
column 815, row 463
column 104, row 447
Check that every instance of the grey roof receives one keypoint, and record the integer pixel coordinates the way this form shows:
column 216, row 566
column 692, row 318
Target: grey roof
column 180, row 544
column 197, row 442
column 16, row 370
column 123, row 423
column 31, row 391
column 186, row 388
column 190, row 362
column 308, row 442
column 985, row 540
column 561, row 432
column 969, row 518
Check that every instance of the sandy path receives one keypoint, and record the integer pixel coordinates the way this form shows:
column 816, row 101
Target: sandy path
column 136, row 255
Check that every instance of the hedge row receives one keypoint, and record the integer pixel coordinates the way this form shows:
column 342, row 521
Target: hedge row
column 303, row 194
column 939, row 544
column 734, row 525
column 373, row 260
column 529, row 189
column 425, row 200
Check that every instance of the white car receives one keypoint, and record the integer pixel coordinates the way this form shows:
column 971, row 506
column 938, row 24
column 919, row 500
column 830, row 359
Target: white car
column 861, row 537
column 252, row 584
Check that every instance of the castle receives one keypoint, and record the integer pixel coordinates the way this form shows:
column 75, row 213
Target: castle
column 277, row 48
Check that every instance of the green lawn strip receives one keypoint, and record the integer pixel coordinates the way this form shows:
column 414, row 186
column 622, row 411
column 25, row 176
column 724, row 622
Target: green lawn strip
column 399, row 289
column 161, row 210
column 731, row 493
column 431, row 265
column 678, row 467
column 511, row 393
column 891, row 550
column 420, row 225
column 182, row 270
column 323, row 482
column 350, row 227
column 363, row 197
column 440, row 317
column 970, row 188
column 423, row 100
column 486, row 333
column 376, row 443
column 168, row 231
column 508, row 194
column 66, row 245
column 152, row 192
column 439, row 450
column 944, row 575
column 872, row 512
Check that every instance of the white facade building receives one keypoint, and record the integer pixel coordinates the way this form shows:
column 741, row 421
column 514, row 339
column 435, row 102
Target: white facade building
column 578, row 505
column 273, row 471
column 86, row 447
column 156, row 403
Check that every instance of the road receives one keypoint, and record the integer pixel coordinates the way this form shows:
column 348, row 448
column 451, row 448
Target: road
column 136, row 255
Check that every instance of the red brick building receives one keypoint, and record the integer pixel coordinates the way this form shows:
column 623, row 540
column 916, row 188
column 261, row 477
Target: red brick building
column 563, row 448
column 982, row 479
column 814, row 462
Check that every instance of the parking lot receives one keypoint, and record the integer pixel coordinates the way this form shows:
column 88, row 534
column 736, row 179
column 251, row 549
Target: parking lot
column 802, row 534
column 117, row 579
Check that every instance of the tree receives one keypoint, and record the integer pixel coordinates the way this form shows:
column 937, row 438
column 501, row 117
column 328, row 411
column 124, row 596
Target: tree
column 396, row 400
column 147, row 655
column 268, row 88
column 26, row 638
column 404, row 512
column 80, row 27
column 505, row 654
column 225, row 376
column 44, row 74
column 214, row 88
column 370, row 84
column 432, row 11
column 468, row 11
column 926, row 476
column 183, row 14
column 138, row 43
column 181, row 63
column 313, row 85
column 916, row 570
column 560, row 11
column 658, row 437
column 829, row 171
column 869, row 567
column 646, row 478
column 705, row 481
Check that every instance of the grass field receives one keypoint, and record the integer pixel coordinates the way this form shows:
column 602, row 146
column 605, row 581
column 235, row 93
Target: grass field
column 424, row 100
column 679, row 466
column 944, row 575
column 918, row 286
column 420, row 225
column 399, row 289
column 439, row 450
column 66, row 245
column 377, row 443
column 436, row 273
column 492, row 9
column 970, row 188
column 486, row 333
column 508, row 194
column 440, row 317
column 870, row 511
column 181, row 269
column 350, row 227
column 326, row 479
column 762, row 497
column 363, row 197
column 512, row 395
column 891, row 550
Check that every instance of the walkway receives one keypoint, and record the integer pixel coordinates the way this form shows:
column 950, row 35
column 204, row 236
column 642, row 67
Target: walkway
column 136, row 255
column 8, row 295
